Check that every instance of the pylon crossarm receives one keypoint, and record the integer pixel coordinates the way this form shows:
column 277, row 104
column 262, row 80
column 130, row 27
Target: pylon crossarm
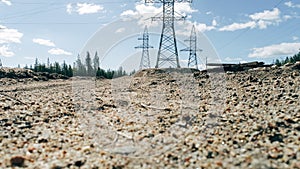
column 183, row 18
column 153, row 1
column 161, row 1
column 188, row 1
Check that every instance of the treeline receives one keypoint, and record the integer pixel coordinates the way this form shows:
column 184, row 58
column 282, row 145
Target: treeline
column 55, row 67
column 292, row 59
column 89, row 67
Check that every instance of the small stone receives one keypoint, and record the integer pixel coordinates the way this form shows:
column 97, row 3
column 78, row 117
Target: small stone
column 276, row 137
column 79, row 163
column 17, row 161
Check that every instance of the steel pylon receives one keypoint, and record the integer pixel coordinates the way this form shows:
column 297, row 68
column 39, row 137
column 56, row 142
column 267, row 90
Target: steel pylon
column 192, row 49
column 168, row 52
column 145, row 60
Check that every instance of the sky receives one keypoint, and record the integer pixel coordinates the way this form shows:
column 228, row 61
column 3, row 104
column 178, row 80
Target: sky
column 231, row 31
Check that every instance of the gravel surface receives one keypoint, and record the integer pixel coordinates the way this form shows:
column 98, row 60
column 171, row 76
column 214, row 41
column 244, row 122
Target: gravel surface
column 154, row 119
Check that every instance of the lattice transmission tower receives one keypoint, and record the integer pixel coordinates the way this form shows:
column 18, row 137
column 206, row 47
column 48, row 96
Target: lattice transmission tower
column 0, row 63
column 192, row 49
column 145, row 60
column 168, row 52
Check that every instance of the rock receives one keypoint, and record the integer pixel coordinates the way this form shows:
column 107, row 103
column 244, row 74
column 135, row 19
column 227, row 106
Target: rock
column 17, row 161
column 79, row 163
column 276, row 137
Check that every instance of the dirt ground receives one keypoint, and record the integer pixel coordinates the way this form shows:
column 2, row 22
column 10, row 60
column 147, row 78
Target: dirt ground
column 154, row 119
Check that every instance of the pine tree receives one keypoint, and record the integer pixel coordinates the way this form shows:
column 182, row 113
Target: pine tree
column 65, row 69
column 36, row 64
column 48, row 62
column 81, row 71
column 70, row 71
column 96, row 62
column 88, row 63
column 57, row 68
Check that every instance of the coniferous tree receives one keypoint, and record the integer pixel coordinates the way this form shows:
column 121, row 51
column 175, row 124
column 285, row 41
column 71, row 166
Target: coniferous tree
column 57, row 68
column 88, row 63
column 96, row 62
column 36, row 63
column 48, row 62
column 65, row 69
column 70, row 71
column 81, row 71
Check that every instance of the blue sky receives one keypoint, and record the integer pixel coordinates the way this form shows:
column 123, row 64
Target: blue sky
column 238, row 31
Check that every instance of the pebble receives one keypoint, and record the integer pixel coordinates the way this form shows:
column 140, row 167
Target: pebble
column 17, row 161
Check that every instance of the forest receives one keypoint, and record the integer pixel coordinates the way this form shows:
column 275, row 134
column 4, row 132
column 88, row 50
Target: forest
column 88, row 67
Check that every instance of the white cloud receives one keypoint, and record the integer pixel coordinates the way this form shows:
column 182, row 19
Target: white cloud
column 57, row 51
column 184, row 8
column 10, row 35
column 84, row 8
column 282, row 49
column 259, row 20
column 142, row 8
column 7, row 2
column 202, row 27
column 209, row 13
column 5, row 51
column 295, row 37
column 214, row 23
column 29, row 58
column 44, row 42
column 69, row 8
column 143, row 12
column 287, row 17
column 266, row 18
column 187, row 25
column 238, row 26
column 267, row 15
column 291, row 5
column 123, row 5
column 129, row 13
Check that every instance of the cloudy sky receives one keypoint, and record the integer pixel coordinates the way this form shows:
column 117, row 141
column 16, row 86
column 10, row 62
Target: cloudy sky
column 239, row 31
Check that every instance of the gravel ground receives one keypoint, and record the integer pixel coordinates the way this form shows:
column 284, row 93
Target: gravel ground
column 154, row 119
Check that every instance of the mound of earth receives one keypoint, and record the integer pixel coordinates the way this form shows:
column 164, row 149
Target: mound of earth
column 13, row 75
column 158, row 118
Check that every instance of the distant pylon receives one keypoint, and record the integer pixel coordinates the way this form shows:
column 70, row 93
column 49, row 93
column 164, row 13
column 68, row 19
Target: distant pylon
column 145, row 60
column 0, row 63
column 168, row 52
column 193, row 62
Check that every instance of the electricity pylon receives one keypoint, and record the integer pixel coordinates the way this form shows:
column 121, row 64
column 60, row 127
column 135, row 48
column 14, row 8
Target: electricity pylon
column 193, row 62
column 0, row 63
column 145, row 60
column 168, row 52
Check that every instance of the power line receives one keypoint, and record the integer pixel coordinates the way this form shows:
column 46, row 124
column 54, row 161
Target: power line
column 61, row 3
column 47, row 7
column 32, row 12
column 52, row 23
